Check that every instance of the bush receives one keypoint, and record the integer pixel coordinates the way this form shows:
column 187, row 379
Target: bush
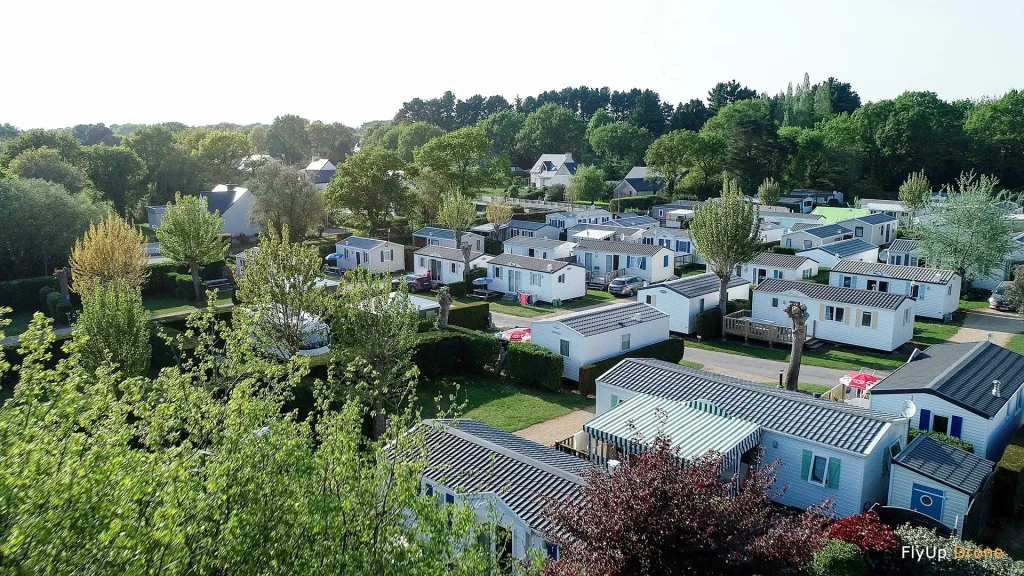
column 182, row 286
column 215, row 270
column 457, row 289
column 708, row 323
column 1009, row 477
column 531, row 365
column 779, row 249
column 865, row 531
column 838, row 558
column 159, row 280
column 492, row 247
column 944, row 438
column 475, row 273
column 23, row 295
column 638, row 203
column 474, row 316
column 555, row 193
column 925, row 539
column 44, row 294
column 737, row 305
column 670, row 350
column 480, row 351
column 438, row 353
column 533, row 194
column 57, row 308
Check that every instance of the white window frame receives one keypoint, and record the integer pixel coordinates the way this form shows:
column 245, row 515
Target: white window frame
column 626, row 341
column 835, row 313
column 563, row 348
column 870, row 316
column 810, row 471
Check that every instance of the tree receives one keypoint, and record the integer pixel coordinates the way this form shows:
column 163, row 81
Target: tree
column 114, row 326
column 499, row 214
column 8, row 132
column 60, row 140
column 768, row 192
column 281, row 292
column 658, row 515
column 189, row 235
column 170, row 166
column 996, row 130
column 39, row 224
column 462, row 161
column 334, row 140
column 682, row 152
column 967, row 231
column 725, row 232
column 47, row 164
column 119, row 174
column 690, row 116
column 110, row 252
column 412, row 136
column 219, row 153
column 288, row 140
column 648, row 113
column 844, row 97
column 285, row 197
column 501, row 129
column 379, row 327
column 258, row 139
column 751, row 140
column 92, row 134
column 550, row 129
column 370, row 184
column 620, row 146
column 797, row 312
column 587, row 185
column 725, row 93
column 915, row 194
column 457, row 213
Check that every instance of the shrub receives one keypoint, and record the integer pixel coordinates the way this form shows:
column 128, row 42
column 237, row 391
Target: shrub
column 44, row 294
column 555, row 193
column 737, row 305
column 23, row 295
column 474, row 316
column 57, row 307
column 182, row 285
column 533, row 194
column 480, row 350
column 531, row 365
column 159, row 281
column 866, row 531
column 457, row 289
column 708, row 323
column 925, row 539
column 438, row 353
column 951, row 440
column 638, row 203
column 779, row 249
column 838, row 558
column 1009, row 477
column 493, row 247
column 426, row 325
column 670, row 350
column 475, row 273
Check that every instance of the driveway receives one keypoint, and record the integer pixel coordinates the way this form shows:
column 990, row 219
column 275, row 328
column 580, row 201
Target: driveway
column 557, row 429
column 978, row 324
column 760, row 370
column 511, row 321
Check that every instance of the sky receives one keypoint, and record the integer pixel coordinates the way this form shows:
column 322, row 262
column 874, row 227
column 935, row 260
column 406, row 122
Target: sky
column 204, row 62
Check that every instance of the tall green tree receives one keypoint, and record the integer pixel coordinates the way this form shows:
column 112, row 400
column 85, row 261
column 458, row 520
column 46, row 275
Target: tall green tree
column 189, row 235
column 258, row 139
column 60, row 140
column 118, row 174
column 587, row 185
column 457, row 213
column 681, row 153
column 285, row 197
column 689, row 116
column 751, row 140
column 768, row 192
column 412, row 136
column 996, row 130
column 916, row 194
column 335, row 141
column 47, row 164
column 114, row 327
column 288, row 140
column 725, row 233
column 170, row 166
column 501, row 129
column 725, row 93
column 550, row 129
column 219, row 154
column 620, row 145
column 462, row 161
column 370, row 184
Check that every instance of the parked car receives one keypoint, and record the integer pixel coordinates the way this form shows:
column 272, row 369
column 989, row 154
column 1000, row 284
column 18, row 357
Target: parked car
column 626, row 285
column 1000, row 300
column 416, row 283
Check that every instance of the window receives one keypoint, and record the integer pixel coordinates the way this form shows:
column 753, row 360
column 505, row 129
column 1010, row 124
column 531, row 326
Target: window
column 858, row 231
column 700, row 305
column 847, row 282
column 892, row 452
column 834, row 314
column 789, row 242
column 808, row 244
column 497, row 272
column 346, row 253
column 949, row 290
column 552, row 550
column 865, row 318
column 453, row 267
column 534, row 279
column 563, row 347
column 878, row 285
column 387, row 255
column 806, row 273
column 666, row 261
column 906, row 316
column 421, row 261
column 615, row 400
column 643, row 263
column 625, row 341
column 561, row 278
column 940, row 424
column 449, row 498
column 775, row 302
column 819, row 469
column 651, row 299
column 777, row 273
column 915, row 290
column 649, row 241
column 428, row 489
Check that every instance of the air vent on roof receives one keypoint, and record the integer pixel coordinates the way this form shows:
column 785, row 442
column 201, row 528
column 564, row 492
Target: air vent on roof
column 995, row 388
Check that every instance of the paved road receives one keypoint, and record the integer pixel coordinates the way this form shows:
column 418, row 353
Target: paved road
column 760, row 370
column 980, row 323
column 510, row 321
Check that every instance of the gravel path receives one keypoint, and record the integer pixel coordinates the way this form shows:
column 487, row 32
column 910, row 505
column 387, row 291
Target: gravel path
column 979, row 324
column 557, row 429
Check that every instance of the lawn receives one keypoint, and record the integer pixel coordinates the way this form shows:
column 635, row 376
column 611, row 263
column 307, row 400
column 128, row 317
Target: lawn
column 928, row 332
column 593, row 297
column 974, row 299
column 828, row 357
column 169, row 304
column 19, row 323
column 821, row 277
column 805, row 386
column 691, row 270
column 495, row 402
column 694, row 365
column 1016, row 344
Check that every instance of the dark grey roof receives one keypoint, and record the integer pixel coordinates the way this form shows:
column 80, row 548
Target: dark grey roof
column 637, row 178
column 360, row 243
column 526, row 224
column 535, row 241
column 904, row 245
column 960, row 373
column 447, row 253
column 802, row 226
column 608, row 318
column 913, row 273
column 792, row 216
column 620, row 247
column 698, row 285
column 844, row 248
column 221, row 200
column 528, row 263
column 827, row 422
column 470, row 457
column 633, row 220
column 677, row 204
column 943, row 463
column 878, row 218
column 431, row 232
column 787, row 261
column 869, row 298
column 827, row 230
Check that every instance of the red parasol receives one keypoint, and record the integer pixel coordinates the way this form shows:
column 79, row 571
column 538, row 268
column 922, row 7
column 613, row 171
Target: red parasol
column 859, row 380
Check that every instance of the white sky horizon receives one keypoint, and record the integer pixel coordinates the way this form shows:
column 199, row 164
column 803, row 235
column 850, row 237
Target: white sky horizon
column 201, row 63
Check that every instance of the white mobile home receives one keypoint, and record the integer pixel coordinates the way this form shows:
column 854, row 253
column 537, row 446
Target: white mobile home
column 531, row 229
column 430, row 236
column 893, row 208
column 446, row 265
column 582, row 232
column 370, row 253
column 684, row 298
column 771, row 265
column 675, row 239
column 937, row 291
column 605, row 261
column 970, row 390
column 632, row 220
column 789, row 219
column 661, row 211
column 545, row 280
column 827, row 255
column 539, row 247
column 826, row 449
column 878, row 229
column 808, row 238
column 905, row 252
column 844, row 315
column 587, row 337
column 566, row 220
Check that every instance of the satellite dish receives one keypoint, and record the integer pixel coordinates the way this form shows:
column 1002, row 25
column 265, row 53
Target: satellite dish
column 908, row 409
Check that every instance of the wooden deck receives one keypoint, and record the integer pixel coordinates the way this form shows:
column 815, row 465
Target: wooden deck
column 741, row 324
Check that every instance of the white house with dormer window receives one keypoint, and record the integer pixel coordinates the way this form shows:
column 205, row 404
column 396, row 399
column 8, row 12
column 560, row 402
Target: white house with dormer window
column 551, row 169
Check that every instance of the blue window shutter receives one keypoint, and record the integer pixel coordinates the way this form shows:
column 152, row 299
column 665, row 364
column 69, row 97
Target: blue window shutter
column 833, row 473
column 956, row 426
column 926, row 420
column 805, row 466
column 666, row 260
column 449, row 498
column 643, row 263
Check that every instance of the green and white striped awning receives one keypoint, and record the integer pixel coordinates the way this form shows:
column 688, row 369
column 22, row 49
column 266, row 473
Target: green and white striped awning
column 693, row 427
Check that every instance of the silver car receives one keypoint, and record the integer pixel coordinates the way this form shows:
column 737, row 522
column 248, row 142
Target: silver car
column 1000, row 299
column 626, row 285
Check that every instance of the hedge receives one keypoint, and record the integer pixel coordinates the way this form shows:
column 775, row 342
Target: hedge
column 181, row 286
column 779, row 249
column 457, row 289
column 534, row 366
column 838, row 558
column 944, row 438
column 638, row 203
column 454, row 350
column 492, row 247
column 708, row 323
column 57, row 308
column 23, row 295
column 475, row 316
column 44, row 294
column 1009, row 478
column 670, row 350
column 480, row 351
column 475, row 273
column 162, row 277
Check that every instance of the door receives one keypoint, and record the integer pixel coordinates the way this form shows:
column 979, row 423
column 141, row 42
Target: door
column 615, row 262
column 358, row 258
column 435, row 269
column 608, row 262
column 515, row 280
column 588, row 260
column 927, row 500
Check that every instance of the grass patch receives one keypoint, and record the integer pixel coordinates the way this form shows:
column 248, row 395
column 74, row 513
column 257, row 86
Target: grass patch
column 973, row 304
column 694, row 365
column 805, row 387
column 928, row 332
column 19, row 323
column 837, row 358
column 691, row 270
column 170, row 304
column 497, row 403
column 974, row 299
column 820, row 278
column 592, row 298
column 1016, row 344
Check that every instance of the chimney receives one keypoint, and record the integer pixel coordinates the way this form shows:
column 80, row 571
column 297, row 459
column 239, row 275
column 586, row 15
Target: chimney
column 995, row 388
column 315, row 158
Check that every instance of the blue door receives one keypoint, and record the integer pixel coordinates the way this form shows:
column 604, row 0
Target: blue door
column 927, row 500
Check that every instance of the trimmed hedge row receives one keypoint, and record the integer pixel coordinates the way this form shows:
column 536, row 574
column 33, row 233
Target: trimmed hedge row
column 638, row 203
column 778, row 249
column 24, row 295
column 1009, row 479
column 455, row 350
column 528, row 364
column 670, row 350
column 457, row 289
column 163, row 278
column 475, row 316
column 57, row 307
column 493, row 247
column 944, row 438
column 708, row 323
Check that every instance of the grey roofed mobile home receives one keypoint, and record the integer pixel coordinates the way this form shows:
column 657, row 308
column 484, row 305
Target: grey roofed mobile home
column 877, row 218
column 945, row 464
column 844, row 248
column 528, row 263
column 360, row 242
column 827, row 230
column 610, row 318
column 833, row 293
column 787, row 261
column 538, row 242
column 620, row 247
column 700, row 285
column 904, row 245
column 912, row 273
